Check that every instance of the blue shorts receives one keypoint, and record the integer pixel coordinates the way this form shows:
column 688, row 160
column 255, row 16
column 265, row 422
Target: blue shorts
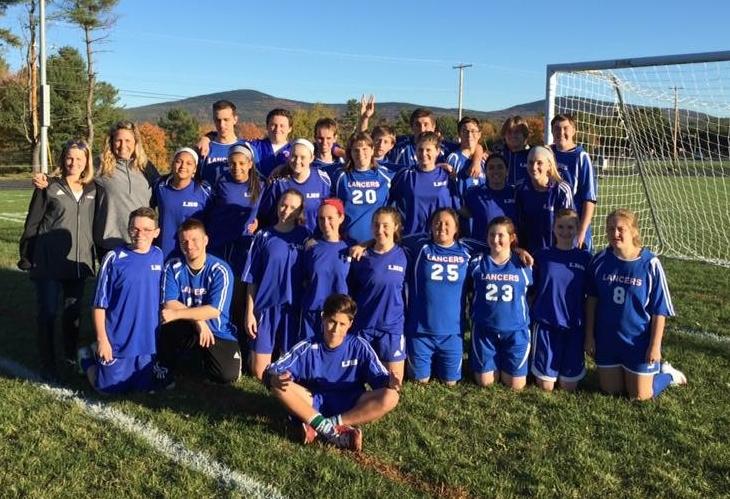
column 389, row 347
column 612, row 350
column 311, row 324
column 334, row 403
column 504, row 351
column 278, row 330
column 557, row 352
column 125, row 374
column 437, row 354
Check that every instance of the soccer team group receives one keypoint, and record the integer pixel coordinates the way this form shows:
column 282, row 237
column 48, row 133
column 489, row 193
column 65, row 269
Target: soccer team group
column 334, row 270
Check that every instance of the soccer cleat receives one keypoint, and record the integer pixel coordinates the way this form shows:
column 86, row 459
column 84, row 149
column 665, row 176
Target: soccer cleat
column 348, row 437
column 308, row 433
column 163, row 378
column 678, row 377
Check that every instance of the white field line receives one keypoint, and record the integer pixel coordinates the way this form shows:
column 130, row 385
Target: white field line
column 3, row 216
column 711, row 337
column 175, row 451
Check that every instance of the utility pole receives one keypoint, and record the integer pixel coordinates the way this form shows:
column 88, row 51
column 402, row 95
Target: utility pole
column 461, row 67
column 675, row 127
column 45, row 91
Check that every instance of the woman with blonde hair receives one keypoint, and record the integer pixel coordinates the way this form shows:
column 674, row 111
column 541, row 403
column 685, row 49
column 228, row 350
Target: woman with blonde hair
column 58, row 250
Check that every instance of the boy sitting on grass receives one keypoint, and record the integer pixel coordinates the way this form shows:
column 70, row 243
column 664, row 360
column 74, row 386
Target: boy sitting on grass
column 322, row 381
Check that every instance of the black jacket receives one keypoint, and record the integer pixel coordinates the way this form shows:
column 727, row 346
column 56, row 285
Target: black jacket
column 57, row 241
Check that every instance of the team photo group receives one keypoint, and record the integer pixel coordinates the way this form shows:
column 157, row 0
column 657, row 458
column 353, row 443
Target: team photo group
column 332, row 270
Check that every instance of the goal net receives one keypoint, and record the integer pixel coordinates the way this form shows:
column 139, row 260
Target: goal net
column 658, row 132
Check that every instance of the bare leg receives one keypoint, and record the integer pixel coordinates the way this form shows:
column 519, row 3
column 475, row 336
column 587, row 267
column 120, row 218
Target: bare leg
column 397, row 369
column 639, row 386
column 487, row 378
column 297, row 400
column 568, row 386
column 545, row 385
column 371, row 406
column 611, row 380
column 514, row 382
column 259, row 361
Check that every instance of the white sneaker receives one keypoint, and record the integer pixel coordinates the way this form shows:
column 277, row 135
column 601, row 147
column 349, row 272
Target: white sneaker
column 82, row 354
column 678, row 377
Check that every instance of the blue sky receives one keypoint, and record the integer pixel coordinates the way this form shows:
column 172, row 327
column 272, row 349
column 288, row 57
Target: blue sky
column 324, row 51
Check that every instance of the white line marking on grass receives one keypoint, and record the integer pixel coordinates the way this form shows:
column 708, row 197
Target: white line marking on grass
column 716, row 338
column 198, row 461
column 15, row 220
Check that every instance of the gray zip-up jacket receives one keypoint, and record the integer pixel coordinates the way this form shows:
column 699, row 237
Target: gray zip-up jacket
column 122, row 193
column 57, row 242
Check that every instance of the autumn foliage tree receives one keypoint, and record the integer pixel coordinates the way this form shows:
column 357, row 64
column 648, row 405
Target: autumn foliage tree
column 304, row 120
column 155, row 145
column 250, row 131
column 537, row 130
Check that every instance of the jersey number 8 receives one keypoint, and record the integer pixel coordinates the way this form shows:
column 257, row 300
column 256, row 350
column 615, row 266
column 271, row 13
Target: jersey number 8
column 619, row 295
column 492, row 293
column 452, row 272
column 370, row 197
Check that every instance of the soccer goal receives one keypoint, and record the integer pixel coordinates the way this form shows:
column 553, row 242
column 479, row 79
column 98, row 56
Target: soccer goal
column 658, row 132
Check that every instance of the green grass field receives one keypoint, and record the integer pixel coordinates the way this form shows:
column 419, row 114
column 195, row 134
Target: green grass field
column 439, row 442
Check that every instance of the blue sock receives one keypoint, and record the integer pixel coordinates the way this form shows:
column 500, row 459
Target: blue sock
column 660, row 383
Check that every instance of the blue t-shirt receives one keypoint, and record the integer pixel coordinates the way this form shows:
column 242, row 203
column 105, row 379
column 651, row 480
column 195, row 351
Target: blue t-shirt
column 536, row 213
column 326, row 265
column 315, row 189
column 212, row 285
column 404, row 151
column 416, row 194
column 128, row 287
column 484, row 204
column 462, row 167
column 393, row 168
column 265, row 158
column 343, row 369
column 576, row 170
column 376, row 282
column 436, row 287
column 231, row 211
column 215, row 164
column 175, row 206
column 629, row 292
column 500, row 293
column 362, row 192
column 560, row 287
column 274, row 265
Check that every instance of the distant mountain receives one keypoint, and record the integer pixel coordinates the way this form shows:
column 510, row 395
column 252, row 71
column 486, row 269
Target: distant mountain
column 253, row 106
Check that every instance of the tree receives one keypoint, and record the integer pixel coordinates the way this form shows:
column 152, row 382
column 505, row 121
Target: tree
column 537, row 130
column 7, row 37
column 250, row 131
column 95, row 18
column 181, row 128
column 448, row 126
column 304, row 120
column 348, row 121
column 490, row 134
column 155, row 145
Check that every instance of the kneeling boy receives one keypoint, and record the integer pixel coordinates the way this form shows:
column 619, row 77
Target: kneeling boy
column 322, row 381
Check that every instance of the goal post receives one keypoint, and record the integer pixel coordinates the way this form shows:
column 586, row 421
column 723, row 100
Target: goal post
column 658, row 132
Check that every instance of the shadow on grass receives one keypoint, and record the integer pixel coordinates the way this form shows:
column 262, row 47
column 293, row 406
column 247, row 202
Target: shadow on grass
column 245, row 401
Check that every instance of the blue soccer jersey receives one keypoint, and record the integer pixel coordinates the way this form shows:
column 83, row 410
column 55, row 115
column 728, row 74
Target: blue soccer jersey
column 274, row 265
column 265, row 158
column 629, row 293
column 128, row 288
column 462, row 167
column 212, row 285
column 417, row 194
column 215, row 164
column 500, row 293
column 314, row 189
column 362, row 192
column 326, row 167
column 485, row 203
column 376, row 282
column 231, row 211
column 343, row 369
column 436, row 285
column 174, row 207
column 516, row 165
column 326, row 265
column 536, row 213
column 560, row 285
column 393, row 168
column 576, row 170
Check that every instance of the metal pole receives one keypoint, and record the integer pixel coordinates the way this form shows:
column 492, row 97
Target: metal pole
column 45, row 91
column 461, row 67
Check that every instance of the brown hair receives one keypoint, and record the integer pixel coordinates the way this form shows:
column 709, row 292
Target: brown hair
column 395, row 214
column 631, row 218
column 143, row 212
column 339, row 304
column 87, row 175
column 359, row 137
column 515, row 122
column 191, row 224
column 280, row 112
column 507, row 222
column 109, row 161
column 451, row 212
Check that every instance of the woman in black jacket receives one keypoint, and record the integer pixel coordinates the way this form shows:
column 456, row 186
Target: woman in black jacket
column 57, row 248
